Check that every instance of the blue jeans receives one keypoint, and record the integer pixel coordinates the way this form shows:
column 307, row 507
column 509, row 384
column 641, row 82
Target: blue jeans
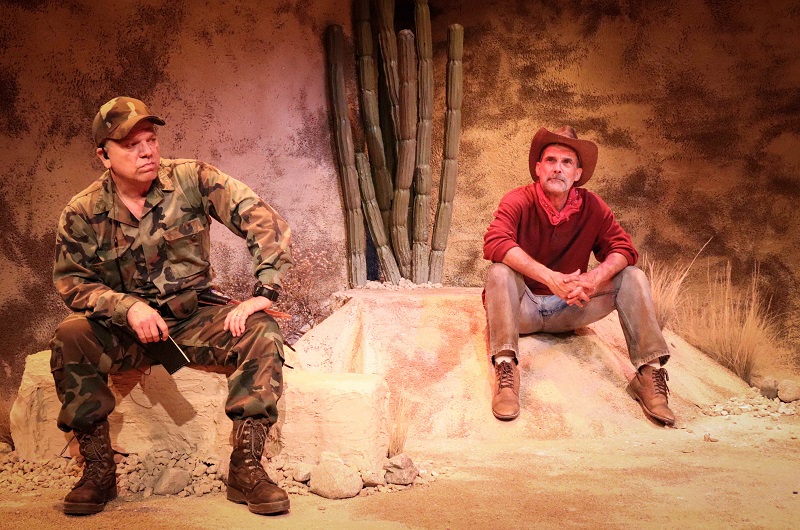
column 513, row 310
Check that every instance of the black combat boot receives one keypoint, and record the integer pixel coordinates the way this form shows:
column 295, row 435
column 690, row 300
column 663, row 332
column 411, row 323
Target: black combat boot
column 99, row 482
column 248, row 483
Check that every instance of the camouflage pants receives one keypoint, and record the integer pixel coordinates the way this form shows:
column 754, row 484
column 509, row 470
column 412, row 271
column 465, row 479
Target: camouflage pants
column 85, row 351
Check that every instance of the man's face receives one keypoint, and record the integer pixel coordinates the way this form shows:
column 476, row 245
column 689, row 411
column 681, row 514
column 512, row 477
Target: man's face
column 135, row 158
column 558, row 169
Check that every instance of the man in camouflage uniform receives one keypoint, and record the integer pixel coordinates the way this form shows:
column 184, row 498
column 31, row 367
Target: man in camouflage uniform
column 132, row 257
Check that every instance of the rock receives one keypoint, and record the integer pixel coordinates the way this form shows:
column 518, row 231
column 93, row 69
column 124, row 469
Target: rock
column 343, row 413
column 5, row 448
column 199, row 470
column 222, row 470
column 173, row 416
column 334, row 480
column 400, row 470
column 788, row 391
column 373, row 478
column 279, row 462
column 273, row 473
column 330, row 456
column 184, row 412
column 172, row 481
column 302, row 472
column 768, row 385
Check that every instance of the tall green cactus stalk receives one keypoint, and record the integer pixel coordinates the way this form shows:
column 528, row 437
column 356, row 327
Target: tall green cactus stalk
column 452, row 136
column 375, row 222
column 420, row 250
column 406, row 151
column 387, row 125
column 370, row 113
column 388, row 43
column 356, row 238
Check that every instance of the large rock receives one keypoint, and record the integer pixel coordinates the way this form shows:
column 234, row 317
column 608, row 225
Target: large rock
column 788, row 391
column 172, row 481
column 401, row 470
column 431, row 347
column 344, row 413
column 184, row 412
column 335, row 480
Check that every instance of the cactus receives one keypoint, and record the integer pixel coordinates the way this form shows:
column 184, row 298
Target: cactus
column 375, row 222
column 422, row 174
column 388, row 43
column 368, row 77
column 406, row 151
column 396, row 101
column 356, row 243
column 452, row 134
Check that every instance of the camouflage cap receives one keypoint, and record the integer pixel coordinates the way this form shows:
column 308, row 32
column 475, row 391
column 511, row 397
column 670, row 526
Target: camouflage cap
column 116, row 118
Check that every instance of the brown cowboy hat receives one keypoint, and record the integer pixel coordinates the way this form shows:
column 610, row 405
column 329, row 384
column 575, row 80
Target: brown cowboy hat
column 587, row 151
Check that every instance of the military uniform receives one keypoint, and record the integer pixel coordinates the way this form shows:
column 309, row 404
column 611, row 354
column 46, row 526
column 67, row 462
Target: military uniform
column 107, row 260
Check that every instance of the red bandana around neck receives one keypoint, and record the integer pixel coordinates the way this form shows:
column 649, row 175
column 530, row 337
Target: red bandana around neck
column 572, row 206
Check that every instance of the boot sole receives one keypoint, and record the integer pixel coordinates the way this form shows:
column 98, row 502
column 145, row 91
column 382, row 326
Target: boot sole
column 505, row 417
column 85, row 508
column 82, row 509
column 666, row 421
column 264, row 508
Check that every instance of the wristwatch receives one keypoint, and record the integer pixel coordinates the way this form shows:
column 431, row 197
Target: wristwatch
column 270, row 293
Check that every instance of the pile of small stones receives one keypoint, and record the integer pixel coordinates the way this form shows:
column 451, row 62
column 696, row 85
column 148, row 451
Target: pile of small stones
column 755, row 404
column 19, row 476
column 403, row 284
column 182, row 475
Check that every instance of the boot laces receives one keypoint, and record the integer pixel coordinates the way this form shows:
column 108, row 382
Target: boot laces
column 97, row 454
column 660, row 378
column 253, row 435
column 505, row 375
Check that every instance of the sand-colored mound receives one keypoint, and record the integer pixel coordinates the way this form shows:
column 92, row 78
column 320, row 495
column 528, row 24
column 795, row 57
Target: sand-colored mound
column 430, row 345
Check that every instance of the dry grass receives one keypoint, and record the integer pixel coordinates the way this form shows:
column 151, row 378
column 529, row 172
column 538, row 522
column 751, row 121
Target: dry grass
column 666, row 284
column 305, row 293
column 733, row 328
column 398, row 432
column 5, row 423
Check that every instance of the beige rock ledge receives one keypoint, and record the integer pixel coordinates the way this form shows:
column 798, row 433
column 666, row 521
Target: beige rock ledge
column 429, row 347
column 345, row 413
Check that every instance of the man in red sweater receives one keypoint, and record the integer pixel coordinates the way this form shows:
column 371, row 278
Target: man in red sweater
column 539, row 242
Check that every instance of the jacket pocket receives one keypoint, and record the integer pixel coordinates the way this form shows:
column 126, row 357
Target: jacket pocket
column 187, row 247
column 113, row 268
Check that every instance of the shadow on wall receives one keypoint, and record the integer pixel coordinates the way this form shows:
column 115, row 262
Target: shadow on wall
column 33, row 314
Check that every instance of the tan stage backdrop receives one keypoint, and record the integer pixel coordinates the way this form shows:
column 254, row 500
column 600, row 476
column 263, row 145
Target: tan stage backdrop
column 695, row 106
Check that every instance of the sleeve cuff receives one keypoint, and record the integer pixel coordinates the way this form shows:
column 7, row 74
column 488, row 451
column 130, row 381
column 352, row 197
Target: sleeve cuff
column 270, row 277
column 120, row 314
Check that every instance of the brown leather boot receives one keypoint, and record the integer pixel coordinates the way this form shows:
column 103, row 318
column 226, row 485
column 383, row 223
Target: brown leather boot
column 99, row 482
column 649, row 388
column 505, row 403
column 248, row 483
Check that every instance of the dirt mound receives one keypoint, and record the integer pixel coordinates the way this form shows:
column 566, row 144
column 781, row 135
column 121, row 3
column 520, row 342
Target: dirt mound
column 430, row 345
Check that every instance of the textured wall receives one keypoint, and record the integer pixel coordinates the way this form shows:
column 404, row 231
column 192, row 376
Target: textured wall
column 695, row 106
column 240, row 85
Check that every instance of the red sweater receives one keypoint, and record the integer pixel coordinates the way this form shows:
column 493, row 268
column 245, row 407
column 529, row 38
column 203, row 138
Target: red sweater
column 520, row 221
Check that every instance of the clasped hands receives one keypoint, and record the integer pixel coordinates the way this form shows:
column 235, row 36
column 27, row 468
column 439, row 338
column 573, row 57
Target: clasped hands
column 575, row 288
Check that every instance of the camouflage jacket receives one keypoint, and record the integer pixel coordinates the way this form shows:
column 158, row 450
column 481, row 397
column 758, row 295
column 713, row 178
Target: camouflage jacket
column 107, row 260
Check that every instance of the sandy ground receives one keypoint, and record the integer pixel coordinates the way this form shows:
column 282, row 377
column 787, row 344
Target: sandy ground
column 654, row 478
